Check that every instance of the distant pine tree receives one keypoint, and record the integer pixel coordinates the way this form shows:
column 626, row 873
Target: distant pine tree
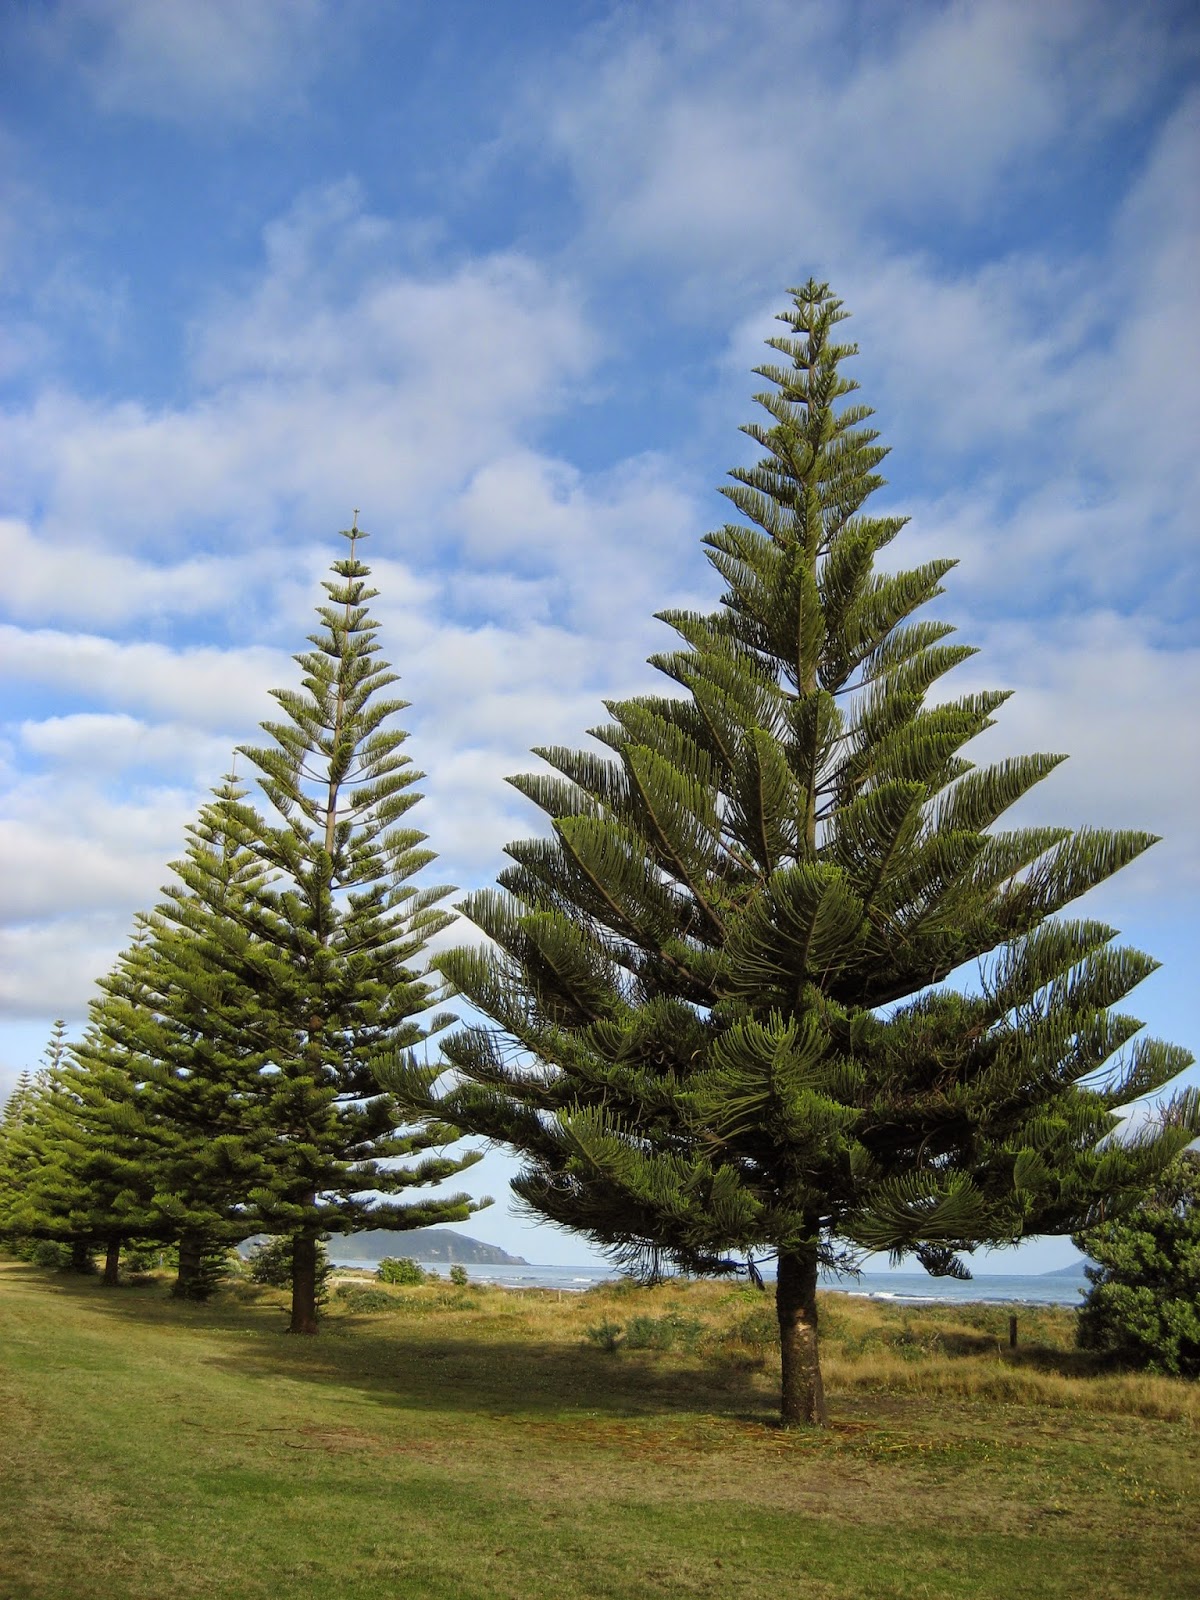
column 174, row 1021
column 720, row 988
column 74, row 1149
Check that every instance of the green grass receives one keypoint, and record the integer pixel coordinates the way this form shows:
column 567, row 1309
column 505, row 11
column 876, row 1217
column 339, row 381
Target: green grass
column 475, row 1443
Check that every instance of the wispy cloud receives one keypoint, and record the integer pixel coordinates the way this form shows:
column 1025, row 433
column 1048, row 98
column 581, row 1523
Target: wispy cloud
column 174, row 61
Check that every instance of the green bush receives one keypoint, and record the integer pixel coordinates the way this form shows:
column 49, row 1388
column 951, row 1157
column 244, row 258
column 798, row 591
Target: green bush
column 458, row 1276
column 1143, row 1309
column 148, row 1255
column 399, row 1269
column 663, row 1333
column 44, row 1252
column 364, row 1297
column 606, row 1334
column 209, row 1270
column 759, row 1329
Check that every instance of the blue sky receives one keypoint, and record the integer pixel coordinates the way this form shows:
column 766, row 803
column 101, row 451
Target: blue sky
column 497, row 276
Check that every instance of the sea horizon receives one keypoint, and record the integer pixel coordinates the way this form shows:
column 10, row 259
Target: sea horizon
column 1055, row 1287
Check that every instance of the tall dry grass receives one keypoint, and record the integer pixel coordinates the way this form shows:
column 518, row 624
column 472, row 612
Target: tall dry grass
column 867, row 1346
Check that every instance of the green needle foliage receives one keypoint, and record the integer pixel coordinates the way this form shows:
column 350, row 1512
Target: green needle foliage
column 323, row 943
column 178, row 1024
column 74, row 1157
column 719, row 1012
column 20, row 1140
column 1143, row 1308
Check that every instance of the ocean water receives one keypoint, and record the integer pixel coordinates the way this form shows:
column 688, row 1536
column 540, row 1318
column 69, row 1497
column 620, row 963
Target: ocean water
column 913, row 1288
column 918, row 1288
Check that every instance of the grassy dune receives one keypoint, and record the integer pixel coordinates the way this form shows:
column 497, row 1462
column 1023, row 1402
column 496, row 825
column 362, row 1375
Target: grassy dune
column 482, row 1443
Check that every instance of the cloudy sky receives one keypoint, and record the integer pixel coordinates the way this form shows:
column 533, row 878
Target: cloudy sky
column 497, row 275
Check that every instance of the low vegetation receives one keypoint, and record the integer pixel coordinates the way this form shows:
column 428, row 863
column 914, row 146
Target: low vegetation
column 442, row 1441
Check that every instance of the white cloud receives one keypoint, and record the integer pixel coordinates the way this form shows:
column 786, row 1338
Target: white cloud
column 58, row 581
column 183, row 62
column 205, row 685
column 106, row 742
column 385, row 393
column 1104, row 690
column 49, row 968
column 750, row 136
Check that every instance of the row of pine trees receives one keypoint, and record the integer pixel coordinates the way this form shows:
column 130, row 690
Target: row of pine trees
column 227, row 1084
column 717, row 1010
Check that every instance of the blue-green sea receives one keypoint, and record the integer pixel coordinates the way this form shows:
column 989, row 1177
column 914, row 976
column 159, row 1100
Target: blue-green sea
column 1051, row 1288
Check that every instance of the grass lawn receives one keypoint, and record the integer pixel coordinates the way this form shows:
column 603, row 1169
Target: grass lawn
column 478, row 1443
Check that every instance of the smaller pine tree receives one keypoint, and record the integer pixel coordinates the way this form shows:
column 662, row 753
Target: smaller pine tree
column 73, row 1151
column 175, row 1019
column 321, row 948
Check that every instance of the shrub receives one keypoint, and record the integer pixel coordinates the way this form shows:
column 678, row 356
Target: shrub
column 148, row 1255
column 208, row 1271
column 606, row 1334
column 663, row 1333
column 400, row 1269
column 759, row 1330
column 364, row 1297
column 44, row 1252
column 1143, row 1308
column 458, row 1276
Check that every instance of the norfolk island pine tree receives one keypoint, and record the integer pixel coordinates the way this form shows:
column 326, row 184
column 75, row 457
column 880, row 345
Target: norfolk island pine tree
column 197, row 1106
column 325, row 945
column 191, row 1043
column 717, row 1016
column 78, row 1151
column 41, row 1198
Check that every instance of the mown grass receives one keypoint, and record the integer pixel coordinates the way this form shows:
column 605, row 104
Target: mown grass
column 478, row 1443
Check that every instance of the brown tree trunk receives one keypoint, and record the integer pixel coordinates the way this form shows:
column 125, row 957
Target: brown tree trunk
column 191, row 1251
column 81, row 1256
column 112, row 1262
column 802, row 1398
column 304, row 1283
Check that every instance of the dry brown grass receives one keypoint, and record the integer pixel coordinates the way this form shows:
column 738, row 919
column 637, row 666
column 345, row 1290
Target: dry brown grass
column 867, row 1346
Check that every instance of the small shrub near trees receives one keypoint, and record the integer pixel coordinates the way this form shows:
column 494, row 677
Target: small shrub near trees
column 608, row 1335
column 363, row 1297
column 401, row 1270
column 1143, row 1309
column 670, row 1332
column 42, row 1252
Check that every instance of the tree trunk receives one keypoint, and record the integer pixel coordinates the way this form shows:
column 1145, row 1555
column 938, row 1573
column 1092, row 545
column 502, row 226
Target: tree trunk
column 81, row 1256
column 802, row 1398
column 112, row 1262
column 304, row 1283
column 191, row 1251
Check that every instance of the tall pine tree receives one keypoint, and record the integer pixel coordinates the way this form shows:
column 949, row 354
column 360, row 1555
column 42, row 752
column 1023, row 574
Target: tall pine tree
column 329, row 943
column 720, row 1014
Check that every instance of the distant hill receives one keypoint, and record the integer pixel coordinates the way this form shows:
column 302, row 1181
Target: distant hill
column 421, row 1244
column 1073, row 1269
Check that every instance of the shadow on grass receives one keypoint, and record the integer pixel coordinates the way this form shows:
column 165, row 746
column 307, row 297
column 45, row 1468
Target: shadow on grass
column 415, row 1365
